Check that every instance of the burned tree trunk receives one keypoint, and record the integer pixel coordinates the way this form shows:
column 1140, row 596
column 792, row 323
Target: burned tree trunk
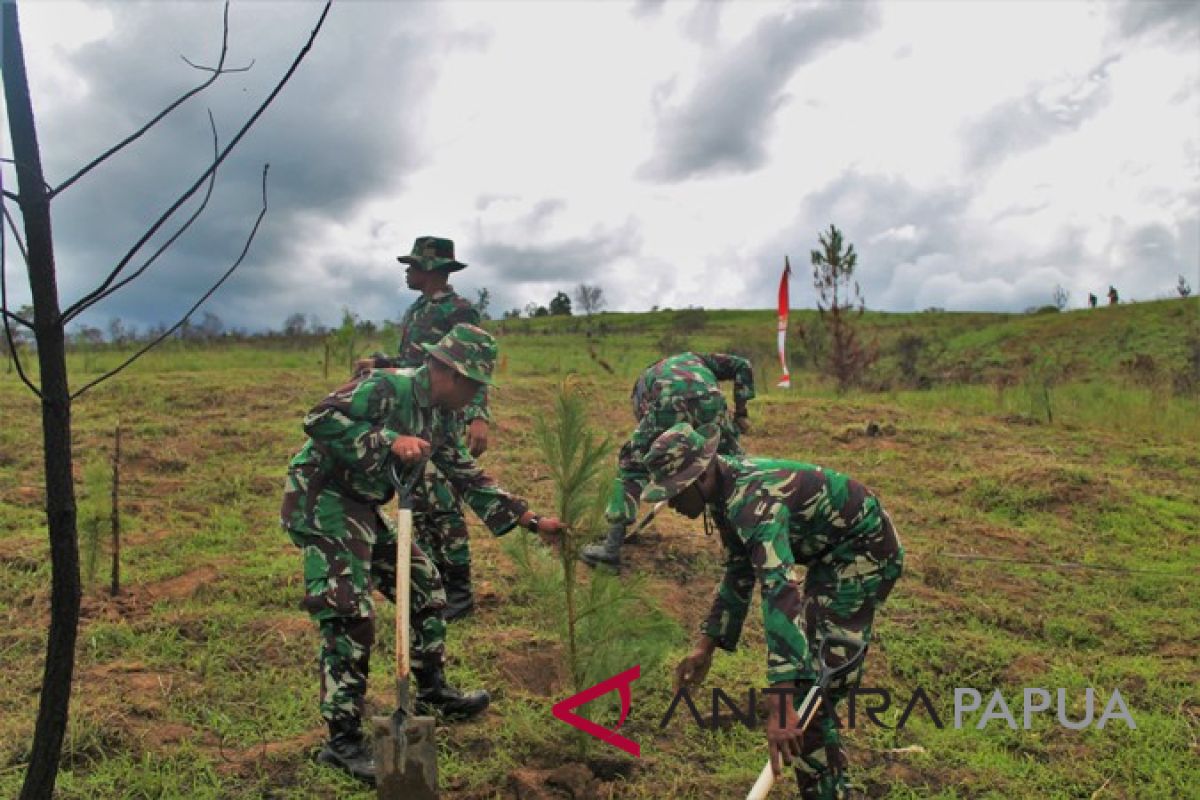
column 33, row 198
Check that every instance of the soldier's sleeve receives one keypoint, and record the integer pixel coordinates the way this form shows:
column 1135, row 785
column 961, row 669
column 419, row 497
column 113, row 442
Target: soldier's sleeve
column 478, row 407
column 631, row 470
column 498, row 509
column 761, row 522
column 728, row 367
column 348, row 423
column 732, row 600
column 381, row 361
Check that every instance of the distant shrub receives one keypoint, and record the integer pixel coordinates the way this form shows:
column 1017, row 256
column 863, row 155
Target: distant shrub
column 1043, row 372
column 1186, row 381
column 1141, row 368
column 690, row 320
column 916, row 358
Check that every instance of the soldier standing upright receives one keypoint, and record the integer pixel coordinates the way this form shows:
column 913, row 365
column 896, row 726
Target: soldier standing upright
column 331, row 511
column 774, row 515
column 438, row 519
column 679, row 388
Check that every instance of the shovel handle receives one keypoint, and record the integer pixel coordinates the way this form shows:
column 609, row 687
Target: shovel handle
column 403, row 570
column 646, row 520
column 808, row 709
column 766, row 779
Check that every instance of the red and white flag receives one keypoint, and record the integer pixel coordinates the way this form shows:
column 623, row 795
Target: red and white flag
column 784, row 303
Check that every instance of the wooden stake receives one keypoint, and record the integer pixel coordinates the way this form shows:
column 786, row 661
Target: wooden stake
column 115, row 587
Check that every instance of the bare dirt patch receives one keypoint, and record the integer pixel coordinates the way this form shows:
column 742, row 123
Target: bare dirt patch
column 180, row 587
column 535, row 667
column 573, row 781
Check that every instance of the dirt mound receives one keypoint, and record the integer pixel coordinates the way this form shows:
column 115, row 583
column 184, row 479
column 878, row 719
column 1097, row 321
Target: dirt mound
column 533, row 667
column 569, row 782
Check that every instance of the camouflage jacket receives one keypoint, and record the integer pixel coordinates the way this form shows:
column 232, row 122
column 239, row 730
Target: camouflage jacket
column 775, row 515
column 684, row 387
column 690, row 375
column 349, row 450
column 426, row 321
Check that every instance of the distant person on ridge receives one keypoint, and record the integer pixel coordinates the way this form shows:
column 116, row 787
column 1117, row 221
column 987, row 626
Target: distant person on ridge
column 1092, row 300
column 679, row 388
column 438, row 517
column 1112, row 295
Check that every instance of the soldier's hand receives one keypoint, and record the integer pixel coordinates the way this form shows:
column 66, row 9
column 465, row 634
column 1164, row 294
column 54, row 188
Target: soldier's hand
column 411, row 449
column 363, row 365
column 477, row 437
column 784, row 741
column 693, row 669
column 743, row 423
column 550, row 531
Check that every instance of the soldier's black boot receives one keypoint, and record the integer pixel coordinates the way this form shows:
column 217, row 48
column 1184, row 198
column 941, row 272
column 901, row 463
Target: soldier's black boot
column 347, row 750
column 436, row 696
column 609, row 551
column 460, row 598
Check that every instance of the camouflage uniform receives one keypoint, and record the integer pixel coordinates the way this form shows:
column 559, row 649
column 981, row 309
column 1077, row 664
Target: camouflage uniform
column 438, row 517
column 774, row 515
column 679, row 388
column 331, row 510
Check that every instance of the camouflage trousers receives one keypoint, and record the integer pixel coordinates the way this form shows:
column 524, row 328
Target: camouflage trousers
column 841, row 594
column 631, row 477
column 438, row 522
column 340, row 570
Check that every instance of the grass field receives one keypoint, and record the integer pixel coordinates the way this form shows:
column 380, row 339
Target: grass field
column 198, row 680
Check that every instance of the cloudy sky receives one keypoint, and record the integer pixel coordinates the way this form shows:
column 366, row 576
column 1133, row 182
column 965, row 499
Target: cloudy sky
column 672, row 153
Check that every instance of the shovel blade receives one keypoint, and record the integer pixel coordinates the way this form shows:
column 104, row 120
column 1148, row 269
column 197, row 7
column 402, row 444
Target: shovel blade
column 405, row 759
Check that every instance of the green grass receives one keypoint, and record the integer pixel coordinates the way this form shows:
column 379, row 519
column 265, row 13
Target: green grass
column 198, row 681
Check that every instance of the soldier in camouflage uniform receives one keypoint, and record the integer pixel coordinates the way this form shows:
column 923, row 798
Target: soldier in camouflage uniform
column 679, row 388
column 774, row 515
column 441, row 528
column 335, row 487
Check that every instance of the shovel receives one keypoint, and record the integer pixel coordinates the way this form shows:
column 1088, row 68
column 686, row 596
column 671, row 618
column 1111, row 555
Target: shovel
column 814, row 698
column 405, row 750
column 646, row 520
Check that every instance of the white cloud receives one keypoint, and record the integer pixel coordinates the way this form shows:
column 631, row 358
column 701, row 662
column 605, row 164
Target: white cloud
column 976, row 153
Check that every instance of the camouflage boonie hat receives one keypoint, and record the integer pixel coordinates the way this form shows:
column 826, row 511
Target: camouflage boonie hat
column 430, row 253
column 467, row 349
column 677, row 458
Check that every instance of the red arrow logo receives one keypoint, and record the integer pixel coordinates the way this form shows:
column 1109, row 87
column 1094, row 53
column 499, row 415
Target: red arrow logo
column 563, row 710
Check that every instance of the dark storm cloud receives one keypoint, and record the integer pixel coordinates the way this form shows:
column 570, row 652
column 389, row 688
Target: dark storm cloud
column 1025, row 123
column 1162, row 252
column 578, row 258
column 723, row 125
column 340, row 133
column 521, row 261
column 906, row 238
column 648, row 8
column 918, row 249
column 1178, row 22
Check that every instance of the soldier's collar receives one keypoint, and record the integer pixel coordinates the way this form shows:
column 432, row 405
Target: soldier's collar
column 444, row 292
column 421, row 389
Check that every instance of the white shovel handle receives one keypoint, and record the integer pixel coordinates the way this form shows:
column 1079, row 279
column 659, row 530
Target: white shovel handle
column 403, row 570
column 766, row 778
